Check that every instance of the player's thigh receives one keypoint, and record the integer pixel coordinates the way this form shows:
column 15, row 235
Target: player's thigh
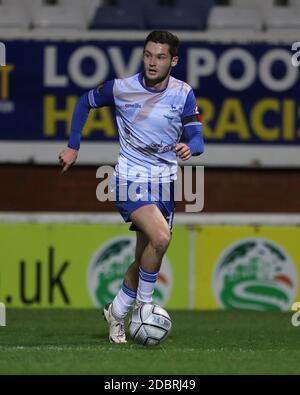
column 152, row 223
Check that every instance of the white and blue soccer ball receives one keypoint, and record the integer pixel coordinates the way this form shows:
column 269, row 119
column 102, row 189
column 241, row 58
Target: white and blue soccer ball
column 149, row 324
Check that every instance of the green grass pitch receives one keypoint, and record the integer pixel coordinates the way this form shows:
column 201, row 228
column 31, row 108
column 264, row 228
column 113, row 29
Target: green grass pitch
column 58, row 341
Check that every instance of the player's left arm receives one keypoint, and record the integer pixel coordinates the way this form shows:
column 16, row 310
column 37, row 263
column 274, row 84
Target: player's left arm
column 191, row 142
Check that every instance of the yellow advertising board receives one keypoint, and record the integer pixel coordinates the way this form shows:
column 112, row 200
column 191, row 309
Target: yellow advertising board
column 81, row 265
column 247, row 267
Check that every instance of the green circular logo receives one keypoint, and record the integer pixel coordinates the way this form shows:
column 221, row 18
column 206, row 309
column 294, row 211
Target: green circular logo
column 255, row 274
column 108, row 266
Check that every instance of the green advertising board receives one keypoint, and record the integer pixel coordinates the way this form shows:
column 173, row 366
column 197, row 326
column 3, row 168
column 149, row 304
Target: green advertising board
column 81, row 265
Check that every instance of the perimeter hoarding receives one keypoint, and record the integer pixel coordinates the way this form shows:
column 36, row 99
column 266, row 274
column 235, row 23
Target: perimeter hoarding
column 81, row 266
column 247, row 267
column 247, row 94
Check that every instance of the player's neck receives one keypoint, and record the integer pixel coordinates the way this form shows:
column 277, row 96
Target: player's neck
column 156, row 85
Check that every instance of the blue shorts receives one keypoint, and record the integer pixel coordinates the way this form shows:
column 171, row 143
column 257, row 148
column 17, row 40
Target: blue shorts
column 134, row 195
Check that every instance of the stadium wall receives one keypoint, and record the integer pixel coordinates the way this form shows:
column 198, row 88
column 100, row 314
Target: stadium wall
column 45, row 188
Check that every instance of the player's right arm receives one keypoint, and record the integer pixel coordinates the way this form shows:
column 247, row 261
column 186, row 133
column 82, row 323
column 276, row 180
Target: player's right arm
column 191, row 142
column 99, row 97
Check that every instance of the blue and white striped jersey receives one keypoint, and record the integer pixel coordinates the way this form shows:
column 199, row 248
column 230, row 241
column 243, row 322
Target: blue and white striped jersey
column 150, row 124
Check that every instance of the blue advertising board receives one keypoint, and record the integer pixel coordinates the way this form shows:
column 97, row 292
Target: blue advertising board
column 248, row 93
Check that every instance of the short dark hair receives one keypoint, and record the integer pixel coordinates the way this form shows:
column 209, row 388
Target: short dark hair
column 164, row 37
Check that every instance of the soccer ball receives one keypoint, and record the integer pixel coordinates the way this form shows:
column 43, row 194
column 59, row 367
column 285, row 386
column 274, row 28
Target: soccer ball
column 149, row 324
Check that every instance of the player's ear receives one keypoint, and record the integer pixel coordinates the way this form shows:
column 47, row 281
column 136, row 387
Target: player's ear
column 174, row 61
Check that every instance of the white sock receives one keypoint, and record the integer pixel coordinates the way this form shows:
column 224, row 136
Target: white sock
column 146, row 285
column 123, row 301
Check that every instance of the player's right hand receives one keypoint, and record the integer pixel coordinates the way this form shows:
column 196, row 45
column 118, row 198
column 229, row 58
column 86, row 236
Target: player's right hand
column 67, row 158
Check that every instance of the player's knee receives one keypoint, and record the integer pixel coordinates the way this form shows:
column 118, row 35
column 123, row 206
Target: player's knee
column 161, row 241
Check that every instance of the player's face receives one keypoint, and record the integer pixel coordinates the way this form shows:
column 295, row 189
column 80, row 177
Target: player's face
column 157, row 62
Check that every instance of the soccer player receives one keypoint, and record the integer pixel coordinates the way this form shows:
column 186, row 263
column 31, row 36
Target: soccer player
column 158, row 120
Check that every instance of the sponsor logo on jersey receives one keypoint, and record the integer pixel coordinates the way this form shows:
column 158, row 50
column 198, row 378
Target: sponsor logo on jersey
column 132, row 105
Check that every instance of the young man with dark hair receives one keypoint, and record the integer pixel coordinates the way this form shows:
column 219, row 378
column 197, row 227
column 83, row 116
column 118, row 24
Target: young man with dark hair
column 157, row 120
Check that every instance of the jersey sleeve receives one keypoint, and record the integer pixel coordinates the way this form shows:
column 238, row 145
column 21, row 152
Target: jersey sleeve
column 102, row 95
column 192, row 125
column 99, row 97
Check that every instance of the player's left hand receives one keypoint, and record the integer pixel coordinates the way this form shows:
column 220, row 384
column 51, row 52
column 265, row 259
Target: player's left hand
column 183, row 151
column 67, row 158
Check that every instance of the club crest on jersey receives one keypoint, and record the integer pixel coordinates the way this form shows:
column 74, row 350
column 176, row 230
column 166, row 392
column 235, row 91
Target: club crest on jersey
column 169, row 117
column 175, row 108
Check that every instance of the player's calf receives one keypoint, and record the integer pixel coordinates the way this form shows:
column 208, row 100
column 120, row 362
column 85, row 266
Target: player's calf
column 160, row 241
